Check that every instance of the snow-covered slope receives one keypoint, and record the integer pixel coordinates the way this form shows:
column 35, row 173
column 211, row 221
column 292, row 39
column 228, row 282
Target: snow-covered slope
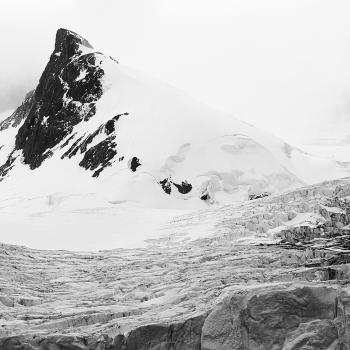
column 4, row 115
column 332, row 129
column 97, row 133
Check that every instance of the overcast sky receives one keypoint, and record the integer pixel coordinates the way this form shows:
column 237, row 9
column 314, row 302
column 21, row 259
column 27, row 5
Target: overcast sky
column 271, row 63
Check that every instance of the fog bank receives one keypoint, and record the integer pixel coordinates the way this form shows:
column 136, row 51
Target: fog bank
column 277, row 64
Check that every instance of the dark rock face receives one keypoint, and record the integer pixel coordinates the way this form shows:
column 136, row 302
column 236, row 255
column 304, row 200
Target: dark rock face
column 166, row 185
column 5, row 168
column 72, row 151
column 183, row 188
column 67, row 92
column 110, row 127
column 99, row 155
column 258, row 196
column 135, row 163
column 116, row 118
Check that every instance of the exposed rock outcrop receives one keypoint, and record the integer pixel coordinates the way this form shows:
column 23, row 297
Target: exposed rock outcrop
column 21, row 113
column 134, row 163
column 66, row 94
column 276, row 316
column 183, row 188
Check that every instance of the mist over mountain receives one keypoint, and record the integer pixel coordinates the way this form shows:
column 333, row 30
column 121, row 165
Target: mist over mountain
column 268, row 63
column 95, row 128
column 333, row 129
column 12, row 92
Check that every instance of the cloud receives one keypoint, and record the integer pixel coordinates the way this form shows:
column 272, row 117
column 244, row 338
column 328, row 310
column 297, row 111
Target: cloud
column 272, row 63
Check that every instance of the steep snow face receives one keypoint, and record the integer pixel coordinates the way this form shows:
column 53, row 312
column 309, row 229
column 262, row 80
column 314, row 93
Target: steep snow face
column 101, row 133
column 4, row 115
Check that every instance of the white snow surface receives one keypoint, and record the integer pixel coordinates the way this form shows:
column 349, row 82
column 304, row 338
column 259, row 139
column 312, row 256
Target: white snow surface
column 5, row 114
column 82, row 229
column 61, row 206
column 334, row 152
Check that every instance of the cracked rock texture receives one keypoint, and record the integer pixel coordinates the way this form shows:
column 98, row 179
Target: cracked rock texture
column 93, row 123
column 279, row 317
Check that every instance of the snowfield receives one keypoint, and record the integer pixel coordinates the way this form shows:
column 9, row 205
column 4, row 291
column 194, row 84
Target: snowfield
column 173, row 154
column 82, row 229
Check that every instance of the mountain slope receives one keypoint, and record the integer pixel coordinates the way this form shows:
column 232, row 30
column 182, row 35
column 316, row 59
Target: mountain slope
column 98, row 133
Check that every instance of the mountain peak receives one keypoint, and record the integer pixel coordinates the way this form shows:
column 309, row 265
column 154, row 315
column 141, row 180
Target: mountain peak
column 62, row 99
column 68, row 42
column 138, row 141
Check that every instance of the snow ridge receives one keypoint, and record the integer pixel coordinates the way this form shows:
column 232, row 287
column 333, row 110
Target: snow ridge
column 94, row 126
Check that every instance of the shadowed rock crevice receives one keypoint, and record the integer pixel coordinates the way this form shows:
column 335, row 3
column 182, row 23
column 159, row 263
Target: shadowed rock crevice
column 183, row 188
column 72, row 151
column 166, row 185
column 116, row 118
column 99, row 156
column 4, row 169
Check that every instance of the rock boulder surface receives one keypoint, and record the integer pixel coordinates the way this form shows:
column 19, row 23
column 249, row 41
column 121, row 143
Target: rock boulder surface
column 270, row 272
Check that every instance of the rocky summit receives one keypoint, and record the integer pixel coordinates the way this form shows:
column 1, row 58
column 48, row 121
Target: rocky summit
column 215, row 234
column 62, row 98
column 95, row 127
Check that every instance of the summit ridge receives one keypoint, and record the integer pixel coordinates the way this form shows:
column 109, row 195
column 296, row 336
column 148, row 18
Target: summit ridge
column 140, row 141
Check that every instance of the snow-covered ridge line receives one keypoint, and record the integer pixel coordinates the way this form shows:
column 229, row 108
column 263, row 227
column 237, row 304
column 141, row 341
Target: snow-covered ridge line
column 95, row 125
